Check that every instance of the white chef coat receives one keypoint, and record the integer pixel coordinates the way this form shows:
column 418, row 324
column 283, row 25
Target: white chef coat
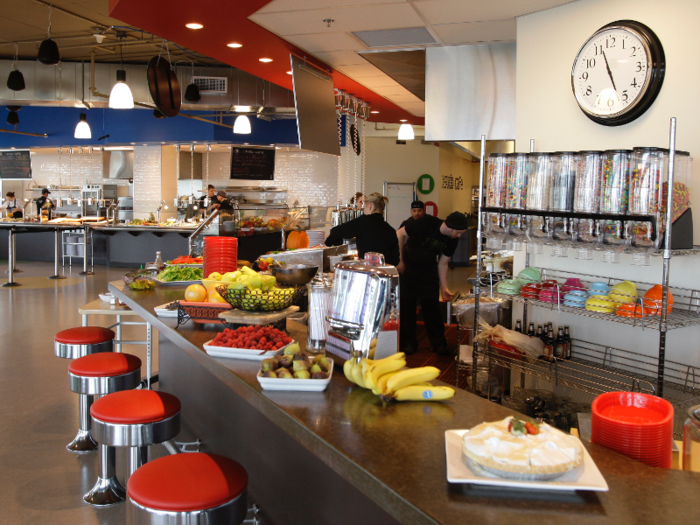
column 10, row 203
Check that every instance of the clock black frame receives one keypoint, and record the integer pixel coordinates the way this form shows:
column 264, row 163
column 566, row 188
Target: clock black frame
column 656, row 78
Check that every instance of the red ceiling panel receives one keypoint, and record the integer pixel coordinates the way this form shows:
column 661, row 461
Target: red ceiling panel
column 226, row 21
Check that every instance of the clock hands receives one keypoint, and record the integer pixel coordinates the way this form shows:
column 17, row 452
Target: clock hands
column 609, row 72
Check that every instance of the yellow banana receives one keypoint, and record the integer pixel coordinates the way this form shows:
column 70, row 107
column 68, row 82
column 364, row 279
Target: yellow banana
column 357, row 375
column 410, row 377
column 379, row 368
column 423, row 393
column 380, row 384
column 365, row 365
column 347, row 369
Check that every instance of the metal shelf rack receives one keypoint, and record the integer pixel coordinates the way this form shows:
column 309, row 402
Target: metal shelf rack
column 578, row 374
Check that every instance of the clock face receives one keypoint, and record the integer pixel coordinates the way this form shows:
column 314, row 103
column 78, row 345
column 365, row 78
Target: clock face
column 618, row 73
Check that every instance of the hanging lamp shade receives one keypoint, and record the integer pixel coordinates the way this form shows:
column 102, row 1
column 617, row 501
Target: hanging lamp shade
column 48, row 53
column 242, row 125
column 82, row 130
column 406, row 132
column 120, row 97
column 192, row 93
column 15, row 81
column 12, row 118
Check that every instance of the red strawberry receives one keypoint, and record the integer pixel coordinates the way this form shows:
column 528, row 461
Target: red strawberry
column 531, row 429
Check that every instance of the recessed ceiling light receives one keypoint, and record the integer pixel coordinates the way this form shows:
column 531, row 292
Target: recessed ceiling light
column 375, row 112
column 403, row 120
column 194, row 25
column 265, row 60
column 289, row 72
column 234, row 45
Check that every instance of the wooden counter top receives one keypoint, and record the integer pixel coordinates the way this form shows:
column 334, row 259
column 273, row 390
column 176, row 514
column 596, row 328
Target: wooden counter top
column 395, row 455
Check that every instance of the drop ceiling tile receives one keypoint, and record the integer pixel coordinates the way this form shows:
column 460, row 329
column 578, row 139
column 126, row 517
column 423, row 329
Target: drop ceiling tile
column 364, row 18
column 470, row 33
column 360, row 71
column 324, row 42
column 453, row 11
column 392, row 91
column 341, row 58
column 409, row 98
column 298, row 5
column 376, row 83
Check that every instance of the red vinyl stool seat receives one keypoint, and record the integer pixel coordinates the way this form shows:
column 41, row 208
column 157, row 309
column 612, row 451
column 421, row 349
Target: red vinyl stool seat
column 106, row 364
column 75, row 343
column 193, row 488
column 130, row 418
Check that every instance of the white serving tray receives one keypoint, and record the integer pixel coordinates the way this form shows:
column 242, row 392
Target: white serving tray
column 250, row 354
column 585, row 477
column 298, row 385
column 162, row 311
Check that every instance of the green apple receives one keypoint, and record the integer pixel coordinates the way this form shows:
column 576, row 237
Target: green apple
column 214, row 276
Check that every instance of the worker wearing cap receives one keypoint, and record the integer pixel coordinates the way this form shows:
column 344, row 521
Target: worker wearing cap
column 211, row 195
column 426, row 245
column 417, row 211
column 222, row 203
column 44, row 202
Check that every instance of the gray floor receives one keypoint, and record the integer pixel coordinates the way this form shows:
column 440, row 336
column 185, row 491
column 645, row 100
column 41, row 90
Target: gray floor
column 41, row 482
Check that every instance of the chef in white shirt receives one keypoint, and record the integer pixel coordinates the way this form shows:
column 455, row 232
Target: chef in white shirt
column 12, row 205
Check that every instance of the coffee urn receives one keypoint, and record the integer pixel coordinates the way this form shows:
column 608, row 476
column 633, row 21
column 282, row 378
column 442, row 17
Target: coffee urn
column 364, row 309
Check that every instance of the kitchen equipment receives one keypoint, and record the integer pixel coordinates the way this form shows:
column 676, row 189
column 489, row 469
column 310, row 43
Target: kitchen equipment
column 319, row 293
column 125, row 209
column 296, row 274
column 363, row 299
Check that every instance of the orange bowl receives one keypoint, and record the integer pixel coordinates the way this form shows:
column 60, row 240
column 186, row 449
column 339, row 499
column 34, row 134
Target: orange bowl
column 653, row 298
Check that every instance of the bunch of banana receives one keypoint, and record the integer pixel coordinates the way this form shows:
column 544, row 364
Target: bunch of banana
column 388, row 379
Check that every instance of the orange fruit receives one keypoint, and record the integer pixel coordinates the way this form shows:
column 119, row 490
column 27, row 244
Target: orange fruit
column 195, row 293
column 215, row 297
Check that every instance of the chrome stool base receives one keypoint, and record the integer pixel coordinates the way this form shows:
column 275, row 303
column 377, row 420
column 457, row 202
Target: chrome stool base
column 106, row 492
column 83, row 443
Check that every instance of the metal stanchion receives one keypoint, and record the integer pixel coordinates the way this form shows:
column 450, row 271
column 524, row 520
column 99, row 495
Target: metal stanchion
column 57, row 256
column 85, row 253
column 14, row 256
column 11, row 260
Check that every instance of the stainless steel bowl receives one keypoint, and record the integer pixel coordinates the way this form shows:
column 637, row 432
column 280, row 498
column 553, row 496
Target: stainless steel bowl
column 298, row 274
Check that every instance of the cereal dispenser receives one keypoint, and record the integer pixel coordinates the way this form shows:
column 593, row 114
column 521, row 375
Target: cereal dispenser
column 617, row 167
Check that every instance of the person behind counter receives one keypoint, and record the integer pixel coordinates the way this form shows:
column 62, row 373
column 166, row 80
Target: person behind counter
column 211, row 194
column 358, row 200
column 44, row 202
column 417, row 211
column 372, row 232
column 12, row 205
column 222, row 203
column 426, row 245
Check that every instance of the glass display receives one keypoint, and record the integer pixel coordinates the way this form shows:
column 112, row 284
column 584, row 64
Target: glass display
column 649, row 166
column 518, row 176
column 561, row 194
column 615, row 181
column 588, row 180
column 539, row 181
column 496, row 178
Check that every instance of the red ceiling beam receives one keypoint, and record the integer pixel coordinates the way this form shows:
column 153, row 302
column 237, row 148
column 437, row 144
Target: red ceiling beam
column 226, row 21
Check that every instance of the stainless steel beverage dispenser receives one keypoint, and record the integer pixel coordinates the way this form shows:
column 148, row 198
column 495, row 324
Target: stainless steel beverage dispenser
column 364, row 309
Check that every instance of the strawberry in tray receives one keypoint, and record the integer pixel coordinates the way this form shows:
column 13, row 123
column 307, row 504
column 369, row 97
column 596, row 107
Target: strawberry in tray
column 252, row 337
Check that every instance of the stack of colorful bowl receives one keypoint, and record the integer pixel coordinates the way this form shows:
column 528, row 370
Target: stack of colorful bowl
column 220, row 255
column 531, row 291
column 529, row 275
column 575, row 299
column 509, row 286
column 653, row 300
column 601, row 304
column 551, row 291
column 598, row 288
column 624, row 292
column 637, row 425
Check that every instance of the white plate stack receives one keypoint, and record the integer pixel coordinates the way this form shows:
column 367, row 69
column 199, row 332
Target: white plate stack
column 316, row 237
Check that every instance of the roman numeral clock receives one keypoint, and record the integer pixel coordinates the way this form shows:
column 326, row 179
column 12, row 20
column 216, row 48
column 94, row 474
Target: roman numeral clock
column 618, row 73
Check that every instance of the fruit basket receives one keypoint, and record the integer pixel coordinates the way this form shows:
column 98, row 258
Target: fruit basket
column 200, row 312
column 258, row 300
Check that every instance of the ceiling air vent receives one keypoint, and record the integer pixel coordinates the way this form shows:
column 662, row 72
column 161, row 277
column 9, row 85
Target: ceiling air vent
column 410, row 36
column 211, row 85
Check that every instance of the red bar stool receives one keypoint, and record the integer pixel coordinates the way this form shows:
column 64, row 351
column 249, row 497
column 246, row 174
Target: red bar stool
column 97, row 375
column 72, row 344
column 131, row 418
column 188, row 489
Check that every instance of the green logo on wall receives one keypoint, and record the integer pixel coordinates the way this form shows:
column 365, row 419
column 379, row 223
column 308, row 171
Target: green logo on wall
column 426, row 184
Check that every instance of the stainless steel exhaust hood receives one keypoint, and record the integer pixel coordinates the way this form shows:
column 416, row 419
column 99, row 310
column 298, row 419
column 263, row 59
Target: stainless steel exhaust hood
column 119, row 164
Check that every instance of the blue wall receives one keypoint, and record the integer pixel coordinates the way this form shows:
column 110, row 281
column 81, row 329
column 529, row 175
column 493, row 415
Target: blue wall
column 133, row 125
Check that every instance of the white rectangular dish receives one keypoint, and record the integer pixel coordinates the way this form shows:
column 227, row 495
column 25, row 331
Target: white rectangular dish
column 585, row 477
column 162, row 311
column 298, row 385
column 241, row 353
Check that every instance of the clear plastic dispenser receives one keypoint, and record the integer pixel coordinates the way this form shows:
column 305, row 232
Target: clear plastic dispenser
column 614, row 200
column 499, row 165
column 319, row 294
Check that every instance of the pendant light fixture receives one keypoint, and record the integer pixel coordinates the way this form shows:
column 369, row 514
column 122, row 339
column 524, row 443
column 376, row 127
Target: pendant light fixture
column 241, row 125
column 48, row 49
column 15, row 81
column 82, row 130
column 406, row 132
column 120, row 97
column 192, row 91
column 12, row 116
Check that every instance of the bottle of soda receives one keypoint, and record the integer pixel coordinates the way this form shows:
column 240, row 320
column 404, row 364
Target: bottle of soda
column 560, row 345
column 549, row 344
column 567, row 337
column 540, row 332
column 518, row 326
column 531, row 330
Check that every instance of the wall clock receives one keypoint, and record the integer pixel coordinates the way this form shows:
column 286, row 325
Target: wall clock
column 618, row 72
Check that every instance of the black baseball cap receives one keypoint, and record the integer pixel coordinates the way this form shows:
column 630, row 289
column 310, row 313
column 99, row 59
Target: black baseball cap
column 417, row 204
column 456, row 221
column 45, row 191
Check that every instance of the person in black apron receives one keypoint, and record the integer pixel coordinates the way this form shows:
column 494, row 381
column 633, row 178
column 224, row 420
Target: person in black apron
column 44, row 202
column 12, row 205
column 426, row 246
column 417, row 211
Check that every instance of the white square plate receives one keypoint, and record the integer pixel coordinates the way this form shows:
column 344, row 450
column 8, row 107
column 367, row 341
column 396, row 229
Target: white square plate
column 299, row 385
column 585, row 477
column 251, row 354
column 162, row 311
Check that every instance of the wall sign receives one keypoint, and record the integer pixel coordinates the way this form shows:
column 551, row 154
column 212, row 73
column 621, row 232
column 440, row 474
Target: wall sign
column 426, row 184
column 253, row 163
column 15, row 164
column 431, row 208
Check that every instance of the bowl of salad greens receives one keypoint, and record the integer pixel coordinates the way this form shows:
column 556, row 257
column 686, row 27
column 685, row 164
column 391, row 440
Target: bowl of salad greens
column 177, row 275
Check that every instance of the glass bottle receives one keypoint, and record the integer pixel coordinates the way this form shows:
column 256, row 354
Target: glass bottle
column 567, row 337
column 519, row 326
column 560, row 344
column 158, row 263
column 549, row 344
column 540, row 332
column 691, row 440
column 531, row 330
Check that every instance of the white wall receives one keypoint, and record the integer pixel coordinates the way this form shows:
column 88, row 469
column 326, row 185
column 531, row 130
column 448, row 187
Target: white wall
column 547, row 111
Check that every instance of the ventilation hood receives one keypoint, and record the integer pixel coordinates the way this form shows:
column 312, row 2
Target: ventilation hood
column 118, row 164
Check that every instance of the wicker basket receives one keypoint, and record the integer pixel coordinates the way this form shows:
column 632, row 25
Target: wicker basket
column 200, row 312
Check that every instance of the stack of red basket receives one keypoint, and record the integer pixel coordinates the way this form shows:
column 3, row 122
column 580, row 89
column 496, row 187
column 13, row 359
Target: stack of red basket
column 220, row 255
column 637, row 425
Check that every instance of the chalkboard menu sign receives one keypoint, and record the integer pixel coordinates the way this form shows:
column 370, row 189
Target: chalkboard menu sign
column 15, row 164
column 253, row 163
